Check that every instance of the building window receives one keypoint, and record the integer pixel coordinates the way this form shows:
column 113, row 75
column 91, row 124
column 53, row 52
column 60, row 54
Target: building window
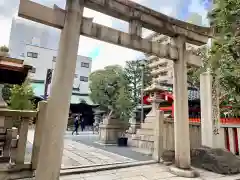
column 54, row 58
column 83, row 78
column 32, row 54
column 86, row 65
column 75, row 75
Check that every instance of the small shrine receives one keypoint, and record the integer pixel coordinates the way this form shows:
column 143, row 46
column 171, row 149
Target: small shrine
column 12, row 71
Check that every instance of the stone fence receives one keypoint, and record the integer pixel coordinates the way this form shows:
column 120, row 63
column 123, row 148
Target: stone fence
column 168, row 134
column 13, row 141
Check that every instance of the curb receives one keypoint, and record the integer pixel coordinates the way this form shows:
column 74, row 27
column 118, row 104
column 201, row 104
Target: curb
column 82, row 170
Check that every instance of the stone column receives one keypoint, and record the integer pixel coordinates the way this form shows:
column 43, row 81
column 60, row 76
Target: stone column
column 59, row 101
column 212, row 134
column 181, row 122
column 158, row 136
column 39, row 132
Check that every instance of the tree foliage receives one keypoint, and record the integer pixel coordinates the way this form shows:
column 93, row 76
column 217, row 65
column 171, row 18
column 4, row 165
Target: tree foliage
column 21, row 97
column 6, row 92
column 4, row 49
column 133, row 73
column 109, row 89
column 223, row 58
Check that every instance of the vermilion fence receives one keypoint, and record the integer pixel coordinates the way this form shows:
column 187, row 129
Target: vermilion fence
column 222, row 120
column 231, row 127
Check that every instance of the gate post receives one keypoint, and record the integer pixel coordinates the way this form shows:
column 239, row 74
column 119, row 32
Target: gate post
column 158, row 136
column 212, row 134
column 39, row 130
column 49, row 164
column 181, row 119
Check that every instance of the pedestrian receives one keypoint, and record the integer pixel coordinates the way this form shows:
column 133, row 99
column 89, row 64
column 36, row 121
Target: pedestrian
column 76, row 125
column 82, row 122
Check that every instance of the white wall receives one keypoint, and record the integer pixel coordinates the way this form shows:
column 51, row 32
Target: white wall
column 45, row 60
column 23, row 32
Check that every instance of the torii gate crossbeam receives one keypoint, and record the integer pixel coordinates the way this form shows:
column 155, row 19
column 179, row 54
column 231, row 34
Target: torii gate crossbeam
column 72, row 23
column 55, row 17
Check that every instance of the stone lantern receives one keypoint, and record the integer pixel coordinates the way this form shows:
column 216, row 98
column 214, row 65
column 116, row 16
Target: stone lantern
column 155, row 89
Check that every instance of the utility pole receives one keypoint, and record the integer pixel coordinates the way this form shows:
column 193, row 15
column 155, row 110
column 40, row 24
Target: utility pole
column 47, row 82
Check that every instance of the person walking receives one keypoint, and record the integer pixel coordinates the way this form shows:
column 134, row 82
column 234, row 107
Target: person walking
column 76, row 125
column 82, row 122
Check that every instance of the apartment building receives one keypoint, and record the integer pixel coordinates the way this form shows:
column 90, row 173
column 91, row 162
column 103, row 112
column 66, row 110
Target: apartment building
column 38, row 46
column 162, row 68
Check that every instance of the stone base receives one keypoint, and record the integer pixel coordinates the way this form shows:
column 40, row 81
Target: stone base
column 143, row 142
column 110, row 131
column 188, row 173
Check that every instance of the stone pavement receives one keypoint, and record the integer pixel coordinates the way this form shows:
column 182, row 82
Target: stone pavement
column 90, row 139
column 146, row 172
column 78, row 154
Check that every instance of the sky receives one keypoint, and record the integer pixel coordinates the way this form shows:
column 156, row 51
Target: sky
column 104, row 54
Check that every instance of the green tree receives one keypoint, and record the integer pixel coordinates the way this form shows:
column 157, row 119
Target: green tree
column 21, row 97
column 109, row 89
column 4, row 49
column 224, row 56
column 194, row 72
column 133, row 73
column 6, row 92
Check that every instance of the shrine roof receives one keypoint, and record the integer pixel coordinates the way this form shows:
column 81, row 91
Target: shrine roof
column 12, row 70
column 13, row 64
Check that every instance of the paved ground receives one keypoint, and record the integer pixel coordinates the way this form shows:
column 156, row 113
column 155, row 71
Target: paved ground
column 84, row 150
column 89, row 139
column 147, row 172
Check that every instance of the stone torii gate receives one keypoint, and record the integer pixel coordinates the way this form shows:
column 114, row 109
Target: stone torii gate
column 72, row 23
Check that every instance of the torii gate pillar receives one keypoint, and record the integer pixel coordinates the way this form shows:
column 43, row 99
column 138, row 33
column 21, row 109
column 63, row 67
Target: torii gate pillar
column 181, row 123
column 49, row 164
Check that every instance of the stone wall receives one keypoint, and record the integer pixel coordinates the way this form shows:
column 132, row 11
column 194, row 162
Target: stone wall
column 168, row 134
column 146, row 141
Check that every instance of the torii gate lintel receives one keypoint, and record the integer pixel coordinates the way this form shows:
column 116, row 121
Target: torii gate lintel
column 55, row 18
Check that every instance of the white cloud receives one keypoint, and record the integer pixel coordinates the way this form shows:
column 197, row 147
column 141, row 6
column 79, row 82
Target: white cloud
column 5, row 27
column 109, row 54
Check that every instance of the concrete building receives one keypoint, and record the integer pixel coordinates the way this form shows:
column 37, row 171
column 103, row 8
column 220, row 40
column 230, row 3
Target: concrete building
column 162, row 68
column 24, row 32
column 38, row 45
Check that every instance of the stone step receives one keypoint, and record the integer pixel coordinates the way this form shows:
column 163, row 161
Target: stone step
column 146, row 152
column 143, row 137
column 82, row 169
column 147, row 126
column 145, row 132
